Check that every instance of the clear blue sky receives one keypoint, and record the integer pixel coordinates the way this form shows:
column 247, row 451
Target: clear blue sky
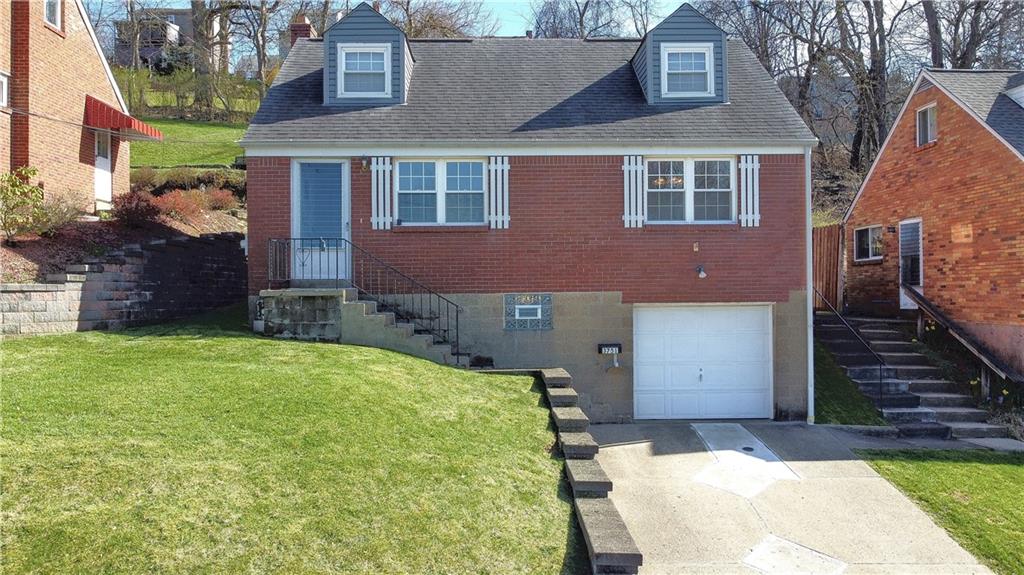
column 513, row 15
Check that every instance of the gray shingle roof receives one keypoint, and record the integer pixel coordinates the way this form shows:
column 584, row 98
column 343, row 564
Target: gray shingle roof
column 517, row 89
column 982, row 91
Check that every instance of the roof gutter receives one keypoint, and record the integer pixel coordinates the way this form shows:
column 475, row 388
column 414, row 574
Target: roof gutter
column 801, row 142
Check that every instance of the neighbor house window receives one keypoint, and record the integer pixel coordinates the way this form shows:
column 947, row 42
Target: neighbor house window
column 687, row 70
column 691, row 190
column 364, row 70
column 927, row 125
column 5, row 90
column 868, row 243
column 52, row 12
column 440, row 192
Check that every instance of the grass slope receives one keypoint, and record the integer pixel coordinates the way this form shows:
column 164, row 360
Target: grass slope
column 197, row 448
column 836, row 397
column 189, row 142
column 975, row 495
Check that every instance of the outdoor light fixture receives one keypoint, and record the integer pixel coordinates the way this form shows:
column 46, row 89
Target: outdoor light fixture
column 365, row 160
column 701, row 273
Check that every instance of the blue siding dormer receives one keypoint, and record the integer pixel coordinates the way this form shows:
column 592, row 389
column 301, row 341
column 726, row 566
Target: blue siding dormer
column 692, row 39
column 365, row 28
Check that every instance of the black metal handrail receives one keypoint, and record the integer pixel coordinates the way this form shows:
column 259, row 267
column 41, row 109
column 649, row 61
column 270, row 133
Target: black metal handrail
column 338, row 262
column 966, row 339
column 867, row 346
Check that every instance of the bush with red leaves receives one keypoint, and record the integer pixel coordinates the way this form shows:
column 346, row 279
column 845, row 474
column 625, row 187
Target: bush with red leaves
column 222, row 200
column 135, row 209
column 182, row 205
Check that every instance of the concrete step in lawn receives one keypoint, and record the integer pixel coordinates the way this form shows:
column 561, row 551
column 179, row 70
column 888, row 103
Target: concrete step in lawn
column 577, row 445
column 869, row 386
column 932, row 429
column 562, row 397
column 931, row 386
column 894, row 400
column 570, row 419
column 897, row 359
column 587, row 478
column 959, row 414
column 934, row 414
column 892, row 346
column 610, row 546
column 882, row 334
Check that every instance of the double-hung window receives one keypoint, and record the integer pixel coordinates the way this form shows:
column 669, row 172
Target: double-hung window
column 52, row 12
column 868, row 243
column 447, row 192
column 364, row 70
column 684, row 190
column 927, row 125
column 687, row 70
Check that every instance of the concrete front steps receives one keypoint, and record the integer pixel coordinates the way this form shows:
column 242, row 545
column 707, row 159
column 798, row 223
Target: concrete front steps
column 341, row 315
column 912, row 394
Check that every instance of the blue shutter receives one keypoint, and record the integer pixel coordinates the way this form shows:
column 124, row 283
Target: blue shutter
column 320, row 200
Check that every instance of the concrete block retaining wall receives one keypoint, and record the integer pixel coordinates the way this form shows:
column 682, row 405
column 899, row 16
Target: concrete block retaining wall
column 140, row 284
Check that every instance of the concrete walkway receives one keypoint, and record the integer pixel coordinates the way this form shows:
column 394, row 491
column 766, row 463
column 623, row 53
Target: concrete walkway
column 724, row 498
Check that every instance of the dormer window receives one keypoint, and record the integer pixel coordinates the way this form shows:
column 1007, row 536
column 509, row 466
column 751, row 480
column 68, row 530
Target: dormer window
column 687, row 70
column 365, row 70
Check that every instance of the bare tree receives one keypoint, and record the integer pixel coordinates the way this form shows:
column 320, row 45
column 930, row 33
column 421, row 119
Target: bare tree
column 641, row 13
column 252, row 21
column 440, row 18
column 576, row 18
column 959, row 32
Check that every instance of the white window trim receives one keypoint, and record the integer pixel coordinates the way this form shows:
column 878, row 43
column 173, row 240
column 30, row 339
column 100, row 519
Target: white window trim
column 532, row 307
column 60, row 11
column 870, row 258
column 689, row 187
column 688, row 47
column 440, row 189
column 383, row 48
column 5, row 90
column 102, row 136
column 917, row 125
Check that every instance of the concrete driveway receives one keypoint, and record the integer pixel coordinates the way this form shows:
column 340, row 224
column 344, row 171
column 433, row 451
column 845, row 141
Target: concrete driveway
column 765, row 498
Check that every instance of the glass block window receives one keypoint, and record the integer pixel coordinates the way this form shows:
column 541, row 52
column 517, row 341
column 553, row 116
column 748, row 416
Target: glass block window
column 666, row 191
column 712, row 190
column 528, row 311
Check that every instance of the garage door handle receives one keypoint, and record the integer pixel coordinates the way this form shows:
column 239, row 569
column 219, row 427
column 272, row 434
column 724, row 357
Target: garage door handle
column 700, row 374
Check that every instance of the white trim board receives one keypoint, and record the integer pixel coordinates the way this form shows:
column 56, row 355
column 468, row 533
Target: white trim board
column 899, row 118
column 433, row 150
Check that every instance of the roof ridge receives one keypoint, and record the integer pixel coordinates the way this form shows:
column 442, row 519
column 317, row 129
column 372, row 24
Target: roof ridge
column 976, row 70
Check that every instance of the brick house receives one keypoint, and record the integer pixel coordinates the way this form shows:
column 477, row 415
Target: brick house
column 943, row 208
column 60, row 109
column 636, row 211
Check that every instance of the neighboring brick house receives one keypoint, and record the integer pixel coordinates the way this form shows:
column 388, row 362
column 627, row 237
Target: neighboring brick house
column 60, row 108
column 566, row 194
column 943, row 208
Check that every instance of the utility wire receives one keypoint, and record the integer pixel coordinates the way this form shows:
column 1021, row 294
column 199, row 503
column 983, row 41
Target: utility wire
column 21, row 112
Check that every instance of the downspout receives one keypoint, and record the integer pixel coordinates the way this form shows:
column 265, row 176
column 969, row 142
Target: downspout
column 808, row 269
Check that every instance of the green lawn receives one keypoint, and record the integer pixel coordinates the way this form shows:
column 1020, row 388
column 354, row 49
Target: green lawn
column 836, row 397
column 198, row 448
column 975, row 495
column 189, row 142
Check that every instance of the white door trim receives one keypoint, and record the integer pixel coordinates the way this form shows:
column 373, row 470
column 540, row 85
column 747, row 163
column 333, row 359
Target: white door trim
column 103, row 178
column 771, row 343
column 346, row 199
column 905, row 302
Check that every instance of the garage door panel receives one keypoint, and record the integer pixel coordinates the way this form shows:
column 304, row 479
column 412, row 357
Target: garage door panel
column 650, row 405
column 684, row 405
column 702, row 362
column 736, row 404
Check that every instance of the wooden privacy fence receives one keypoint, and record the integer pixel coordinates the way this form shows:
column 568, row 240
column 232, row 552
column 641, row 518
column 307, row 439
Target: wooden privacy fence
column 827, row 242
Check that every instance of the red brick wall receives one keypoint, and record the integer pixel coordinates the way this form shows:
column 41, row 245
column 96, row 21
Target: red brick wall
column 968, row 188
column 566, row 234
column 52, row 71
column 5, row 67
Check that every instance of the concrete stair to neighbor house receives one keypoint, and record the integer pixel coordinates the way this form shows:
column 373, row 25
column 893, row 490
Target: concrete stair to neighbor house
column 910, row 391
column 341, row 315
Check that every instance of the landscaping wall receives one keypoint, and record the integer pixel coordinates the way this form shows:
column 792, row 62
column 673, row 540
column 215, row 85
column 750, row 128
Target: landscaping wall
column 141, row 284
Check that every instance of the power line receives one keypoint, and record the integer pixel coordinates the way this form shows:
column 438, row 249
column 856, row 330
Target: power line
column 22, row 112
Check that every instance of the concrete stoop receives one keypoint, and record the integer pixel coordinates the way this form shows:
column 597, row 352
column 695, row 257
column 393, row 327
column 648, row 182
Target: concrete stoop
column 610, row 546
column 914, row 396
column 338, row 315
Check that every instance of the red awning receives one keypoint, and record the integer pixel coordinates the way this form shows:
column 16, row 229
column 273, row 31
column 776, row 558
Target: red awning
column 101, row 116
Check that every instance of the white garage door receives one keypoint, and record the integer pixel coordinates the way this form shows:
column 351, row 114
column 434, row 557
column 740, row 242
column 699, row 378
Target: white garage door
column 698, row 362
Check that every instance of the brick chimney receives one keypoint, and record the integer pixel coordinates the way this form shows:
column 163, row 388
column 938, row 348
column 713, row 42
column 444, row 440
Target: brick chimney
column 300, row 28
column 529, row 34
